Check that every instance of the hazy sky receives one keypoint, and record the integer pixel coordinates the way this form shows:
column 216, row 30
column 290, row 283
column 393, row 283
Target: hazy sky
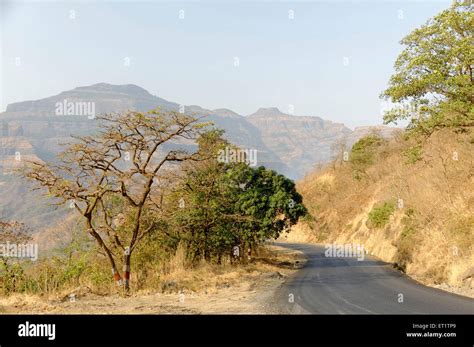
column 331, row 60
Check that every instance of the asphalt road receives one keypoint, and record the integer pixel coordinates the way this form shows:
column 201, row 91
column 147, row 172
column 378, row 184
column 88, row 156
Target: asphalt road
column 348, row 286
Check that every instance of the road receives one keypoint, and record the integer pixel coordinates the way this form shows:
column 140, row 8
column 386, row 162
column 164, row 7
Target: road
column 348, row 286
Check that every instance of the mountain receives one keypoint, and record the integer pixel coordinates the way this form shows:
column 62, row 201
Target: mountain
column 300, row 141
column 36, row 129
column 108, row 98
column 39, row 122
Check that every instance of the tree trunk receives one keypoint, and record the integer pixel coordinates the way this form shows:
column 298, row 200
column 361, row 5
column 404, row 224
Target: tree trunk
column 126, row 272
column 117, row 277
column 91, row 230
column 207, row 254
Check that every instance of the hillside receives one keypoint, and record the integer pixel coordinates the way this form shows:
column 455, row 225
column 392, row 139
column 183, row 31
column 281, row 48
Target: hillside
column 407, row 206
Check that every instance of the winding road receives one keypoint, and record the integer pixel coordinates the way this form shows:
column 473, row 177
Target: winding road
column 348, row 286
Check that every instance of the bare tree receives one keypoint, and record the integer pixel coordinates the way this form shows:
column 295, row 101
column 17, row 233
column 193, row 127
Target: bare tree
column 338, row 148
column 122, row 162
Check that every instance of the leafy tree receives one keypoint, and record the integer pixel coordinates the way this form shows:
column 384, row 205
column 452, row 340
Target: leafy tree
column 231, row 204
column 267, row 201
column 200, row 210
column 433, row 80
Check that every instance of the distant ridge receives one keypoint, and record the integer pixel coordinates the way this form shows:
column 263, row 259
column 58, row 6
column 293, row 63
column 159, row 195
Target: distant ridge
column 289, row 144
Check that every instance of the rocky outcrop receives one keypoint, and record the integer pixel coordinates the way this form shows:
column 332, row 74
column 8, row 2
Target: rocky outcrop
column 301, row 142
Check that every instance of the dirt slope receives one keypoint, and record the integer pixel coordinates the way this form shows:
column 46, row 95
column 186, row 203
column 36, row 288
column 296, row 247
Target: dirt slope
column 418, row 215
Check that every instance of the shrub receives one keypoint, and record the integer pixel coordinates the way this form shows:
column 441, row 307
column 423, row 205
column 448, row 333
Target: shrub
column 12, row 277
column 363, row 153
column 380, row 215
column 405, row 243
column 413, row 154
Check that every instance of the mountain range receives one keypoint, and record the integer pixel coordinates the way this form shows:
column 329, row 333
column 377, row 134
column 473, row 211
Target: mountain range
column 289, row 144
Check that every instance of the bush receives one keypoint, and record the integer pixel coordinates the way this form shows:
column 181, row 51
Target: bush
column 11, row 277
column 380, row 215
column 413, row 154
column 406, row 243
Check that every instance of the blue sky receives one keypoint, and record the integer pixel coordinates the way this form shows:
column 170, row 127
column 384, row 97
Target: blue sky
column 282, row 61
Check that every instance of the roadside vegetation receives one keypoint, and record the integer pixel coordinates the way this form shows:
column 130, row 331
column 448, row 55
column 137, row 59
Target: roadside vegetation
column 408, row 198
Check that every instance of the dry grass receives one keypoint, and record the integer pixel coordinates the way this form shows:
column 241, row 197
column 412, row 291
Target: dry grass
column 203, row 288
column 431, row 236
column 208, row 278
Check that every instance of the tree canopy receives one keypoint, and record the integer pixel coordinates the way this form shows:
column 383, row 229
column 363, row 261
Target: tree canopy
column 433, row 80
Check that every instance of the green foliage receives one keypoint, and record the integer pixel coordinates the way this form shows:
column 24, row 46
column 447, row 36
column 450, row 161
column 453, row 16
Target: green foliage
column 11, row 275
column 230, row 204
column 268, row 200
column 380, row 215
column 433, row 80
column 363, row 153
column 413, row 154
